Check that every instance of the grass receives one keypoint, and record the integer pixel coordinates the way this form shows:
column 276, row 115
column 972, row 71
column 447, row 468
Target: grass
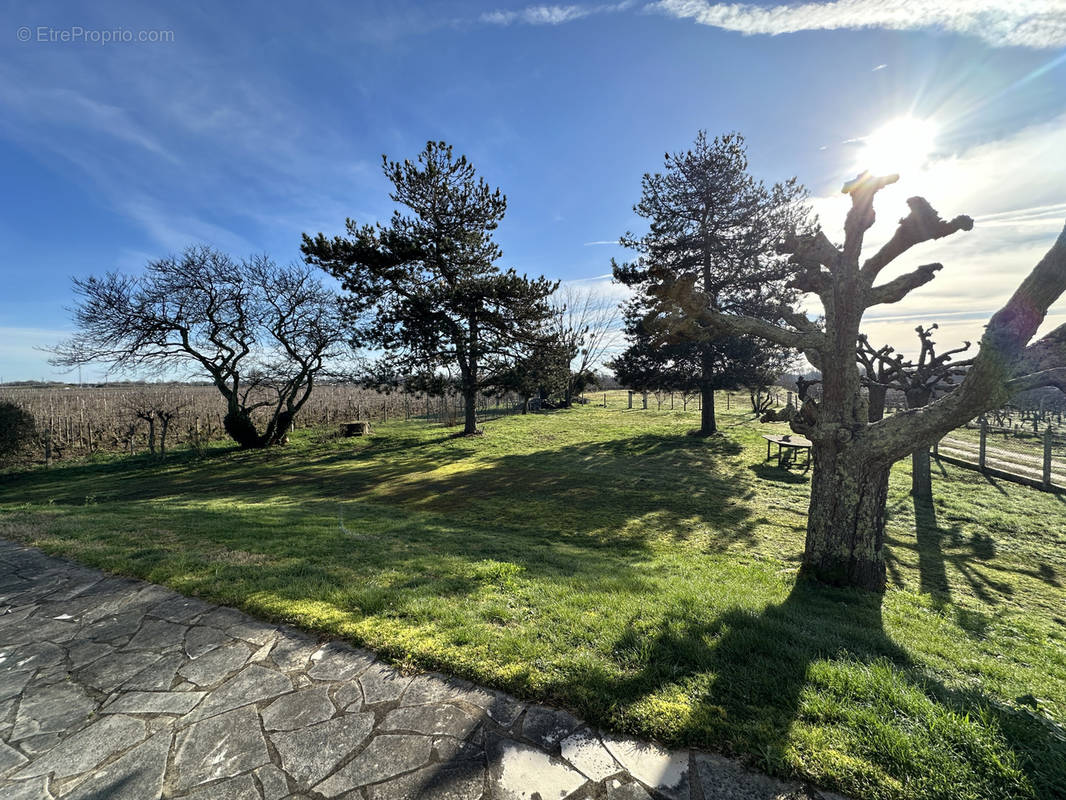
column 603, row 560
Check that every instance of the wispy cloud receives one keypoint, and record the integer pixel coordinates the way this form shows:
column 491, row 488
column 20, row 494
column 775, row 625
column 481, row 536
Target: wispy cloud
column 601, row 241
column 1023, row 23
column 551, row 15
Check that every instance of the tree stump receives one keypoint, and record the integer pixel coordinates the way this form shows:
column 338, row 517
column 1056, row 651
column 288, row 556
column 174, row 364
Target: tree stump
column 357, row 428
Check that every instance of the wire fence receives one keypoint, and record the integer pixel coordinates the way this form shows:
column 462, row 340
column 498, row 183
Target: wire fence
column 1032, row 452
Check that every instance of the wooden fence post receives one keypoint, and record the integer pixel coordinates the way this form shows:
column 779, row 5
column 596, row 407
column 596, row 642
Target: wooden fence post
column 644, row 400
column 631, row 398
column 983, row 446
column 1047, row 458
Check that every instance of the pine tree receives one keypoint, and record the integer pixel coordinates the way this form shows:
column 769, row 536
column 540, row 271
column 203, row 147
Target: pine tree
column 439, row 303
column 713, row 224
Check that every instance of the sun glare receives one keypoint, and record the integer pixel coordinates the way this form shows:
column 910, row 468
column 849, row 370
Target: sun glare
column 902, row 145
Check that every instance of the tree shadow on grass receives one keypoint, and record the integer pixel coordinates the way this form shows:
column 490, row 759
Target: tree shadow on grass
column 578, row 512
column 821, row 659
column 603, row 493
column 608, row 490
column 947, row 553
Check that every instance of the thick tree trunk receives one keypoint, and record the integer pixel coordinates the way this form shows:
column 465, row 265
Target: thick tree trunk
column 877, row 396
column 280, row 430
column 708, row 424
column 921, row 475
column 470, row 411
column 240, row 428
column 846, row 521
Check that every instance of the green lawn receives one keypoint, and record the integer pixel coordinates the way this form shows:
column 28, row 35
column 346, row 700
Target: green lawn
column 604, row 560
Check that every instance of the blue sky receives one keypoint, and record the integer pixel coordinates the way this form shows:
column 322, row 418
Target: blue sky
column 253, row 122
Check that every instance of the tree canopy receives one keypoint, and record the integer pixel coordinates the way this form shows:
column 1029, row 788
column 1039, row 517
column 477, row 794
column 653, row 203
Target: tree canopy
column 711, row 223
column 263, row 333
column 437, row 301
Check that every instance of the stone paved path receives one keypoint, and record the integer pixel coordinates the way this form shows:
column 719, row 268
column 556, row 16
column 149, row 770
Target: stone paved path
column 116, row 689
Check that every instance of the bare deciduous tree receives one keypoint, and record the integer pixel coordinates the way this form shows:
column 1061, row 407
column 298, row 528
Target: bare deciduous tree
column 587, row 323
column 852, row 456
column 262, row 332
column 919, row 381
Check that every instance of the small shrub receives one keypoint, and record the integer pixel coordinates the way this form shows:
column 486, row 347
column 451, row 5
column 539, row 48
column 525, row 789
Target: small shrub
column 17, row 430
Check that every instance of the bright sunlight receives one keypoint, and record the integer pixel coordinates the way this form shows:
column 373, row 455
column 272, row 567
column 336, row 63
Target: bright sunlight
column 901, row 145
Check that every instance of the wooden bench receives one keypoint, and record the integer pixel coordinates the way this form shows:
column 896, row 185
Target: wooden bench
column 788, row 441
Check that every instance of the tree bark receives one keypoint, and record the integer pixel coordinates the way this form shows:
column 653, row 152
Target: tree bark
column 846, row 522
column 921, row 475
column 876, row 398
column 708, row 423
column 470, row 410
column 241, row 429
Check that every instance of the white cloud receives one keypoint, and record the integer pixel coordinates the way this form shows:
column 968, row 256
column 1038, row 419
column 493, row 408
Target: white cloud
column 551, row 15
column 67, row 107
column 1022, row 23
column 537, row 15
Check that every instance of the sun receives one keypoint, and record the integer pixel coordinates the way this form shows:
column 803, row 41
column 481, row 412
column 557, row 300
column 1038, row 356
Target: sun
column 901, row 145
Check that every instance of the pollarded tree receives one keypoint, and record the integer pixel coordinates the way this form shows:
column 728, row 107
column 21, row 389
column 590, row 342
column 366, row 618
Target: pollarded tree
column 439, row 301
column 263, row 333
column 852, row 456
column 919, row 381
column 713, row 225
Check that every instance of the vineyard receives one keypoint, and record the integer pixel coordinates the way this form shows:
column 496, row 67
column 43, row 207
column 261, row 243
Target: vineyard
column 77, row 421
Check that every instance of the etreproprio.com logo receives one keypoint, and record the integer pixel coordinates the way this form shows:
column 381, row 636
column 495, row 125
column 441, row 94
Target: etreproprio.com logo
column 76, row 34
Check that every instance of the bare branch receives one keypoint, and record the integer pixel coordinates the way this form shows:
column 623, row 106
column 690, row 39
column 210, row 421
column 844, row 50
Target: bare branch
column 1037, row 380
column 1003, row 353
column 861, row 216
column 685, row 311
column 810, row 251
column 922, row 224
column 895, row 290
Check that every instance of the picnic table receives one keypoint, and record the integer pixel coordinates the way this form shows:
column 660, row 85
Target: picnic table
column 790, row 442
